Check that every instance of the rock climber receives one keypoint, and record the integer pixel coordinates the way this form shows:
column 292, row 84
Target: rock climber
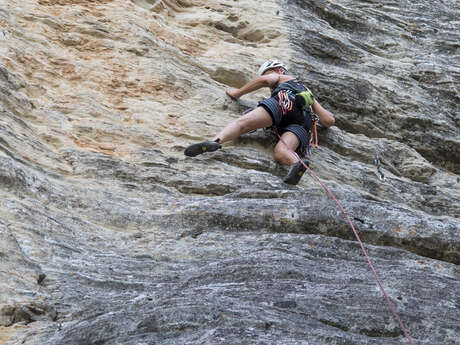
column 291, row 110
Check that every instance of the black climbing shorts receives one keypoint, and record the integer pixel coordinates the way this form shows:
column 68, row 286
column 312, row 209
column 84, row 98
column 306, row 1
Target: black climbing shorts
column 289, row 122
column 301, row 134
column 274, row 109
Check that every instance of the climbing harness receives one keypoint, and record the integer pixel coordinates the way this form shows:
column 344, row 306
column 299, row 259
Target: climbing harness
column 390, row 304
column 303, row 101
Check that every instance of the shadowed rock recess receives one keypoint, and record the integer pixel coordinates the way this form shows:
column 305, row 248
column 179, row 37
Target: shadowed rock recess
column 110, row 235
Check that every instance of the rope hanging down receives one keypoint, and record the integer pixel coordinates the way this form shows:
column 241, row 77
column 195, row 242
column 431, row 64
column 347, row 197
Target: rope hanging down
column 390, row 304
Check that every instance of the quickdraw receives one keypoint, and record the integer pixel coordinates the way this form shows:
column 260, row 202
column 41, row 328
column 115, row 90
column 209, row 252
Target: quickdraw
column 285, row 101
column 314, row 132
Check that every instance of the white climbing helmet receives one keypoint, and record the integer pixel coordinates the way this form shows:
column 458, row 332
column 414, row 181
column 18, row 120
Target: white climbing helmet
column 269, row 65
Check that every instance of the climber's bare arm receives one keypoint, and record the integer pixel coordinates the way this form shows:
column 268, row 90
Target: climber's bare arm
column 269, row 80
column 326, row 119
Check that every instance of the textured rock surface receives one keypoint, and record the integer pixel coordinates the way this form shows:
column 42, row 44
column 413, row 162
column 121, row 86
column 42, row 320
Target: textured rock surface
column 109, row 235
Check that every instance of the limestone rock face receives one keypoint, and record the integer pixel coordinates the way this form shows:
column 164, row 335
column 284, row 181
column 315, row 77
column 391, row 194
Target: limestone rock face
column 110, row 235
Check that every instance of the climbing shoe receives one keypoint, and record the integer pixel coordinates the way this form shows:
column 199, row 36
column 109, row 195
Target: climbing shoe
column 296, row 172
column 199, row 148
column 304, row 99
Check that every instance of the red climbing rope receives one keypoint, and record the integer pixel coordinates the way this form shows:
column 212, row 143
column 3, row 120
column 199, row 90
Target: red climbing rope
column 393, row 309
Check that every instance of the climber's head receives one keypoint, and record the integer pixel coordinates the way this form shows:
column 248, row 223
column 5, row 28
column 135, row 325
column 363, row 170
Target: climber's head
column 272, row 65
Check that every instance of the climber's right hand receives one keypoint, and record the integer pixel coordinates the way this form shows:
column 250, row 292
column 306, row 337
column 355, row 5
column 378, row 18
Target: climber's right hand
column 232, row 92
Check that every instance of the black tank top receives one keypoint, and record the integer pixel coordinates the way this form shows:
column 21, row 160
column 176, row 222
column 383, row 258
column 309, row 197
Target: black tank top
column 292, row 85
